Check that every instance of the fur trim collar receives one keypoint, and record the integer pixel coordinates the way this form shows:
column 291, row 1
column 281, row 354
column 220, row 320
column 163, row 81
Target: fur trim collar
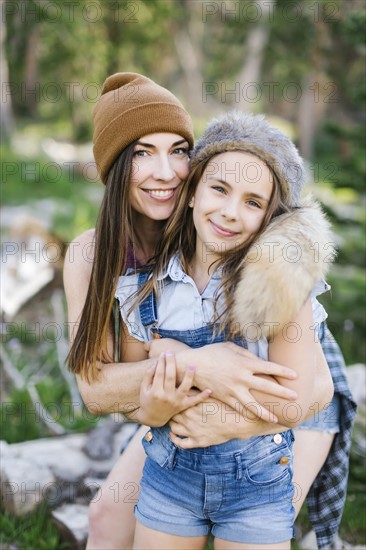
column 281, row 268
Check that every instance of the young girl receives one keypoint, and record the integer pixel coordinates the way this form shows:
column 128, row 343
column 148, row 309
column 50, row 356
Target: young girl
column 244, row 173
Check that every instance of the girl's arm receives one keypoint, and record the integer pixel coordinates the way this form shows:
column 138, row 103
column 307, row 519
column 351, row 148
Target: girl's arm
column 297, row 348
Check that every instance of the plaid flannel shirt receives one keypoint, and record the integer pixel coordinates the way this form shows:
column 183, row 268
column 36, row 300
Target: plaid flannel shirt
column 327, row 495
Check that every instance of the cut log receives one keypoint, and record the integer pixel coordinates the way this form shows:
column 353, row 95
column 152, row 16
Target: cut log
column 72, row 522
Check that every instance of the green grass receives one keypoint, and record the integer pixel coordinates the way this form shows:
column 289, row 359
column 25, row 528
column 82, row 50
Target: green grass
column 32, row 532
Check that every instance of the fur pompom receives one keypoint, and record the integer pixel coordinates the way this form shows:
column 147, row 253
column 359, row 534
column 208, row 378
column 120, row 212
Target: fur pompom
column 281, row 268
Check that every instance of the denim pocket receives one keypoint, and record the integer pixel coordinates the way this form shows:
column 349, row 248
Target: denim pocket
column 273, row 462
column 155, row 450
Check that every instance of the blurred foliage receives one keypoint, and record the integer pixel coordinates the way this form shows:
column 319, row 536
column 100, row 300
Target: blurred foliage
column 33, row 179
column 58, row 55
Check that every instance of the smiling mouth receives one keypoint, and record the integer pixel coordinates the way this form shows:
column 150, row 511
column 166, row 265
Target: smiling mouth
column 222, row 231
column 160, row 194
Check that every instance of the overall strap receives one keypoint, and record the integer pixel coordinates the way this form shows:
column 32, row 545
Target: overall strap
column 117, row 331
column 148, row 310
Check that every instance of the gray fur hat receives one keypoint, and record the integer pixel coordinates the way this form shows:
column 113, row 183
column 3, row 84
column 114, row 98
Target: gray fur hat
column 238, row 131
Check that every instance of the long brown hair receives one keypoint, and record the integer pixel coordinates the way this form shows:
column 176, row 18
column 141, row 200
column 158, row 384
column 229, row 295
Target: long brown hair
column 180, row 236
column 113, row 235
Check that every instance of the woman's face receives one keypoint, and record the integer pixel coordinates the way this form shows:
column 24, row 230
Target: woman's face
column 230, row 202
column 160, row 166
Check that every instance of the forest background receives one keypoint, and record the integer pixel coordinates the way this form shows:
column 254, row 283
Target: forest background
column 302, row 63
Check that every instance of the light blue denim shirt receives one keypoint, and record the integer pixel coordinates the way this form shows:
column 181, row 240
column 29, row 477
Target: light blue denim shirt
column 180, row 306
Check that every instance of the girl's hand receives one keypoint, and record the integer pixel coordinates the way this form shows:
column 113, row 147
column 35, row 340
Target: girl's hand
column 160, row 345
column 160, row 399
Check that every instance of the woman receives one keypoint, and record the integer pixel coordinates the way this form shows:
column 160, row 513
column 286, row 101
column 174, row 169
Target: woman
column 132, row 107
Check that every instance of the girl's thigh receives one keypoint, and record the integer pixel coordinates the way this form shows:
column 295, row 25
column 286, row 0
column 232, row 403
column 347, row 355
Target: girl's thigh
column 221, row 544
column 311, row 449
column 149, row 539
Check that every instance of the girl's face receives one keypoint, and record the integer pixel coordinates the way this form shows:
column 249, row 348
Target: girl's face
column 160, row 165
column 230, row 202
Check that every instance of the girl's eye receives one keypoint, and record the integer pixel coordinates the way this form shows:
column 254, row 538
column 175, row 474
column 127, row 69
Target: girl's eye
column 218, row 188
column 251, row 202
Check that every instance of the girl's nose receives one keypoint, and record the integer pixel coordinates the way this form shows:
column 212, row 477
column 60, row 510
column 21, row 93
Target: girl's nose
column 163, row 169
column 230, row 210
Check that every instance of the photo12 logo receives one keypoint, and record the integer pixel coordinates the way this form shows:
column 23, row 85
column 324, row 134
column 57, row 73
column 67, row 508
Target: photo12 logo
column 70, row 11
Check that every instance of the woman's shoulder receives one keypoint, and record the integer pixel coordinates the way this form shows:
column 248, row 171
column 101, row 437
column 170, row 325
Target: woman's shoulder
column 80, row 256
column 84, row 239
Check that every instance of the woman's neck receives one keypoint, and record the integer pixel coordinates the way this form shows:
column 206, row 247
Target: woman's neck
column 147, row 236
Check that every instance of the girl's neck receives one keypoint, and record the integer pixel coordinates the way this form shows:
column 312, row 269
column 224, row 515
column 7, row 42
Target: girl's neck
column 200, row 271
column 147, row 236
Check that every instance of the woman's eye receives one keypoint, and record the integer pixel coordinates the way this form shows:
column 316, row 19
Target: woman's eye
column 181, row 151
column 140, row 153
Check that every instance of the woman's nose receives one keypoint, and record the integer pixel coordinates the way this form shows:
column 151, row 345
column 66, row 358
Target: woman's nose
column 163, row 169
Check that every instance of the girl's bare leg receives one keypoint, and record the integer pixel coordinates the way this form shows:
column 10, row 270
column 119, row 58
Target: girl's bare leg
column 149, row 539
column 311, row 449
column 221, row 544
column 111, row 513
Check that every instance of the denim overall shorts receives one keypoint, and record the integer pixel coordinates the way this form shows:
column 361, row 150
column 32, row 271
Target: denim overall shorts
column 240, row 491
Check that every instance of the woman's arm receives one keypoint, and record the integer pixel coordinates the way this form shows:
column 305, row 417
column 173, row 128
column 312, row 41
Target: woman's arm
column 117, row 388
column 214, row 422
column 229, row 370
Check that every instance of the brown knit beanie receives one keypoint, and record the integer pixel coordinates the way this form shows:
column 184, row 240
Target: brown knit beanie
column 238, row 131
column 132, row 106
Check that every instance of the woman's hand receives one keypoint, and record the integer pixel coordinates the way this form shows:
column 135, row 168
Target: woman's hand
column 160, row 399
column 201, row 425
column 233, row 372
column 160, row 345
column 212, row 422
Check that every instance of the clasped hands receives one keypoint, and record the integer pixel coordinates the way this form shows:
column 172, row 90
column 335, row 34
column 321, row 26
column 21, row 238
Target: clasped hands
column 223, row 407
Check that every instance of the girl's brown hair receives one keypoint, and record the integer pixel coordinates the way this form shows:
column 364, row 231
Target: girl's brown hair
column 180, row 236
column 113, row 236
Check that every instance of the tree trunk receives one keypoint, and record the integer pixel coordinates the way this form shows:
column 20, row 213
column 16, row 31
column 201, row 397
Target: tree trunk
column 255, row 45
column 31, row 84
column 315, row 88
column 6, row 110
column 188, row 50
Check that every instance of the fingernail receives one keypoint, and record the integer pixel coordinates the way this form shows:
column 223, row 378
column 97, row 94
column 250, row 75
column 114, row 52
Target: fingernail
column 169, row 353
column 191, row 368
column 209, row 392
